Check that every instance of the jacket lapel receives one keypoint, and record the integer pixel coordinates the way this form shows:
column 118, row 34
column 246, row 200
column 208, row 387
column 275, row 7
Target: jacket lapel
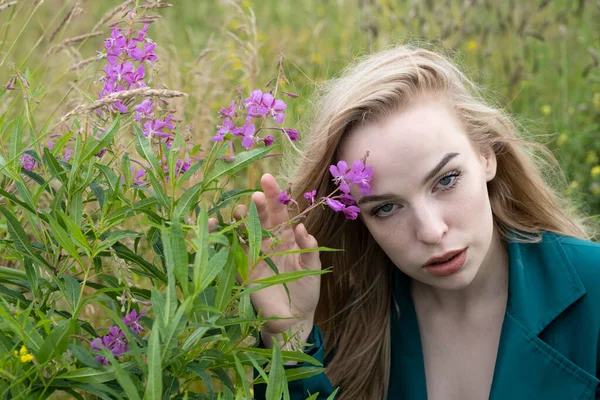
column 542, row 285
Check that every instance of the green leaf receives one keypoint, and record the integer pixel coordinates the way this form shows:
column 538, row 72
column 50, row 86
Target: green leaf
column 98, row 193
column 63, row 239
column 285, row 355
column 16, row 142
column 123, row 377
column 159, row 191
column 276, row 373
column 19, row 237
column 126, row 254
column 94, row 145
column 171, row 303
column 242, row 160
column 227, row 278
column 56, row 342
column 201, row 246
column 154, row 386
column 288, row 277
column 72, row 290
column 90, row 375
column 144, row 149
column 54, row 167
column 16, row 200
column 7, row 170
column 214, row 267
column 82, row 355
column 76, row 162
column 159, row 304
column 126, row 169
column 76, row 203
column 242, row 376
column 254, row 234
column 77, row 236
column 176, row 326
column 188, row 200
column 179, row 255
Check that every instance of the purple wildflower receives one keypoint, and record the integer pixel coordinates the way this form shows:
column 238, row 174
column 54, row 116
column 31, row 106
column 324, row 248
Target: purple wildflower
column 276, row 107
column 132, row 321
column 101, row 152
column 260, row 104
column 228, row 112
column 347, row 199
column 284, row 198
column 248, row 132
column 291, row 133
column 144, row 110
column 157, row 127
column 255, row 106
column 147, row 54
column 227, row 127
column 268, row 140
column 310, row 196
column 335, row 205
column 351, row 212
column 137, row 177
column 28, row 162
column 361, row 175
column 115, row 341
column 339, row 172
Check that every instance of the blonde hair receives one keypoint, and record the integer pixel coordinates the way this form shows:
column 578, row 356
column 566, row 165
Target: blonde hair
column 356, row 299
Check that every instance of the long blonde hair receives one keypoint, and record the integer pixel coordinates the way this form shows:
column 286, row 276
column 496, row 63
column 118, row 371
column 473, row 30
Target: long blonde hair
column 356, row 299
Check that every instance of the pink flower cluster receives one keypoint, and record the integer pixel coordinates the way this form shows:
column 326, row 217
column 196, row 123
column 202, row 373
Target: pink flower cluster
column 343, row 177
column 116, row 341
column 258, row 105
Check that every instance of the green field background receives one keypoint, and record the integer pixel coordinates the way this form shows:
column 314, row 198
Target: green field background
column 538, row 59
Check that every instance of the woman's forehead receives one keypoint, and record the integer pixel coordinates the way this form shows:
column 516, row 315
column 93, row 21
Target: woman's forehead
column 419, row 135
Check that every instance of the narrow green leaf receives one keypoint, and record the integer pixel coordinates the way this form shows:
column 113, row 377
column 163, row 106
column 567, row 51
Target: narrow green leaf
column 171, row 303
column 154, row 386
column 126, row 254
column 285, row 355
column 75, row 162
column 201, row 246
column 159, row 191
column 15, row 200
column 54, row 167
column 214, row 267
column 159, row 305
column 242, row 376
column 144, row 149
column 275, row 384
column 242, row 160
column 98, row 193
column 63, row 239
column 83, row 355
column 90, row 375
column 72, row 290
column 188, row 200
column 176, row 326
column 8, row 170
column 16, row 142
column 56, row 342
column 227, row 278
column 76, row 203
column 179, row 255
column 16, row 231
column 123, row 377
column 94, row 145
column 126, row 169
column 288, row 277
column 254, row 234
column 78, row 236
column 33, row 274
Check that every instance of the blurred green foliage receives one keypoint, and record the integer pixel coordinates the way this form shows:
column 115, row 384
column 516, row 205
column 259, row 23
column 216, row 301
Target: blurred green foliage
column 539, row 59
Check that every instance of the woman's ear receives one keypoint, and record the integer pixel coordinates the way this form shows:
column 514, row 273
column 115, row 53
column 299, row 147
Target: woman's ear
column 488, row 159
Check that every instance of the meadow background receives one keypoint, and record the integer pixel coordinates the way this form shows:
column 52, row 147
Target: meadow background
column 539, row 59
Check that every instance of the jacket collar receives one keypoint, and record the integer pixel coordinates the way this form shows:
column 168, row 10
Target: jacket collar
column 542, row 284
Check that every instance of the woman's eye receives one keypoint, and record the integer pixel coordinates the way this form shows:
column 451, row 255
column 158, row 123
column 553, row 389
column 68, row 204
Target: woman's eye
column 384, row 211
column 448, row 181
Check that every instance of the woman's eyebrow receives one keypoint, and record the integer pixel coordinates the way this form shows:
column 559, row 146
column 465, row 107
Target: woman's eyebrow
column 439, row 166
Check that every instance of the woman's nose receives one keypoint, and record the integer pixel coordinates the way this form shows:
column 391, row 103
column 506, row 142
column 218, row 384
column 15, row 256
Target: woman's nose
column 429, row 225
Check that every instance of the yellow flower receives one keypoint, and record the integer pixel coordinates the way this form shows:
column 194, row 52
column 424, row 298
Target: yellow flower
column 23, row 355
column 471, row 45
column 316, row 58
column 247, row 4
column 546, row 109
column 596, row 100
column 595, row 172
column 562, row 139
column 591, row 157
column 574, row 185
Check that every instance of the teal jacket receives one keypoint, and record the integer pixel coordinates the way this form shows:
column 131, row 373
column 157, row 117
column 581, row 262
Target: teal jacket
column 550, row 340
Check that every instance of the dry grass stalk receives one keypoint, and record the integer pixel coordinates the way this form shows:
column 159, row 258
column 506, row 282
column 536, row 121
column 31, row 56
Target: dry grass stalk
column 112, row 13
column 155, row 5
column 7, row 5
column 71, row 41
column 121, row 96
column 75, row 10
column 83, row 63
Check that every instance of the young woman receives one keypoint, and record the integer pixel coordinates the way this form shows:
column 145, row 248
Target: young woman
column 465, row 275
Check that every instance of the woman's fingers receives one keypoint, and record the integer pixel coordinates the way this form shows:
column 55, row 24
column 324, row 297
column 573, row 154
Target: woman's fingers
column 307, row 241
column 277, row 212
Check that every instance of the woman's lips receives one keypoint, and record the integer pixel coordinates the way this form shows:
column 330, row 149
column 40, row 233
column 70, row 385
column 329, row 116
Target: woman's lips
column 448, row 267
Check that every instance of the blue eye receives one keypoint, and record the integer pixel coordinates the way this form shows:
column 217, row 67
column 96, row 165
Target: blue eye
column 384, row 210
column 449, row 180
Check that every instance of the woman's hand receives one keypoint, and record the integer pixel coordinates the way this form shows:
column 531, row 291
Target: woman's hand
column 304, row 293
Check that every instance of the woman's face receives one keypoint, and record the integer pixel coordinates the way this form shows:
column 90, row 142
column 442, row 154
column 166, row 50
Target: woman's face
column 429, row 193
